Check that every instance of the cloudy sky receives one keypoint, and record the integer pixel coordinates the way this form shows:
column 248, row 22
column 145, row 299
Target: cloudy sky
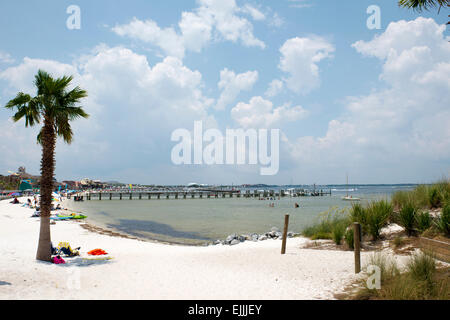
column 373, row 103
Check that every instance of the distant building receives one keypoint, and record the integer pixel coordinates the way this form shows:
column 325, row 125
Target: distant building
column 89, row 183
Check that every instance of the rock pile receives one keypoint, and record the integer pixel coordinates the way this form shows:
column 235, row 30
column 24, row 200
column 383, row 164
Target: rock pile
column 274, row 233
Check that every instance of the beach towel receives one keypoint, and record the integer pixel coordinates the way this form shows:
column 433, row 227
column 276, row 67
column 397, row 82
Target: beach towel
column 97, row 252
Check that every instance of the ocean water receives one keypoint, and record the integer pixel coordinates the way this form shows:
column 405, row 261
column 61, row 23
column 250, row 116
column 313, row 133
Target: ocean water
column 201, row 221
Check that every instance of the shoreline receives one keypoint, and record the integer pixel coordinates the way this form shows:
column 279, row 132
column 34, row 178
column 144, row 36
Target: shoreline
column 150, row 270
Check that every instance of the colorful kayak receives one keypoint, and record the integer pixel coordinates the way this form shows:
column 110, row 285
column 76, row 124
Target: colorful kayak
column 60, row 218
column 72, row 216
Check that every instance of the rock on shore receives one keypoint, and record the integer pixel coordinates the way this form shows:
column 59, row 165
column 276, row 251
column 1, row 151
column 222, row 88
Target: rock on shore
column 274, row 233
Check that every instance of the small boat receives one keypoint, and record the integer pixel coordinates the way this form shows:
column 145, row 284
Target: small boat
column 349, row 198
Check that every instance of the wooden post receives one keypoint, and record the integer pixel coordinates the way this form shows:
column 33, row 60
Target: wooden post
column 286, row 224
column 357, row 245
column 110, row 196
column 149, row 196
column 131, row 196
column 100, row 196
column 140, row 196
column 120, row 196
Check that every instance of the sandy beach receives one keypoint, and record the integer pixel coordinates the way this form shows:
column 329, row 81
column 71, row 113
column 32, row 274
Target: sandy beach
column 147, row 270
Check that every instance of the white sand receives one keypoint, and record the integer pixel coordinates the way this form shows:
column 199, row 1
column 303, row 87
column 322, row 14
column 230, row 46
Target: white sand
column 146, row 270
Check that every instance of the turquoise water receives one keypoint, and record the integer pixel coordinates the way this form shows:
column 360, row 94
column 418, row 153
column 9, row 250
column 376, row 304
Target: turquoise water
column 200, row 221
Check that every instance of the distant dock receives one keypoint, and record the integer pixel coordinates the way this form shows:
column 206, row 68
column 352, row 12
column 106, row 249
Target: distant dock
column 198, row 194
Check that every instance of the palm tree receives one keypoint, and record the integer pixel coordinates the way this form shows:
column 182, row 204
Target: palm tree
column 56, row 106
column 419, row 5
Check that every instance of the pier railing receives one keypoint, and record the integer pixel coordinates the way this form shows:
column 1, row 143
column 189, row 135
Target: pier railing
column 196, row 194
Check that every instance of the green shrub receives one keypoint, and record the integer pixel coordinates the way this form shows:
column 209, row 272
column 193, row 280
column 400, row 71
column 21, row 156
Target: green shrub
column 407, row 218
column 423, row 221
column 434, row 197
column 349, row 238
column 443, row 222
column 378, row 215
column 320, row 235
column 331, row 225
column 338, row 232
column 358, row 214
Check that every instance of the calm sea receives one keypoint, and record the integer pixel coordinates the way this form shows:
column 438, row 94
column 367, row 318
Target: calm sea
column 200, row 221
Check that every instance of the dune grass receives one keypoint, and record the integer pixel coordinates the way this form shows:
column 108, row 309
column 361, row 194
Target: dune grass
column 423, row 221
column 406, row 208
column 331, row 225
column 420, row 280
column 443, row 222
column 407, row 218
column 424, row 196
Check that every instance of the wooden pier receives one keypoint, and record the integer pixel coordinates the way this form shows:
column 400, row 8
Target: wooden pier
column 197, row 194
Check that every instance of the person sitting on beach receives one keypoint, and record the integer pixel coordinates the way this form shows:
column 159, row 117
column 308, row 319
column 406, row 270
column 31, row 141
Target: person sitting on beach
column 29, row 202
column 15, row 201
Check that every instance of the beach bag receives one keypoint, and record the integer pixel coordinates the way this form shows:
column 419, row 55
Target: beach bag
column 58, row 260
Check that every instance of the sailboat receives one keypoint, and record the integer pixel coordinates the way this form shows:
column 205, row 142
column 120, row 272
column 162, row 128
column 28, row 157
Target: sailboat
column 349, row 198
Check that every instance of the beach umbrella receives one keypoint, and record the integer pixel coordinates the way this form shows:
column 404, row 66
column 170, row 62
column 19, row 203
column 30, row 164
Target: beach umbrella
column 14, row 194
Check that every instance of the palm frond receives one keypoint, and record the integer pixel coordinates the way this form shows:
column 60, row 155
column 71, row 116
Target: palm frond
column 420, row 5
column 21, row 99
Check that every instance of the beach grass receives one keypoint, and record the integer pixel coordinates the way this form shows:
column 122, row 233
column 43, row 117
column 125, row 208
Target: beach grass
column 424, row 196
column 420, row 280
column 378, row 215
column 407, row 218
column 423, row 221
column 331, row 225
column 442, row 223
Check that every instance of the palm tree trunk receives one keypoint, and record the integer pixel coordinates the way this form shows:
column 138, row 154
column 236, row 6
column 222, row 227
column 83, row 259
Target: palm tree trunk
column 47, row 170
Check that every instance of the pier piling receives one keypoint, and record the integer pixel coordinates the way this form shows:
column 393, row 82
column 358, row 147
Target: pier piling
column 357, row 245
column 285, row 231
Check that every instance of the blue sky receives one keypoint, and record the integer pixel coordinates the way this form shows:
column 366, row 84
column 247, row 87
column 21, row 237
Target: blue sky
column 370, row 103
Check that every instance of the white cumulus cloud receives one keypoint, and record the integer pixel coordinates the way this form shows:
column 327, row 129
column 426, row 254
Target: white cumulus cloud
column 219, row 20
column 260, row 113
column 300, row 58
column 232, row 84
